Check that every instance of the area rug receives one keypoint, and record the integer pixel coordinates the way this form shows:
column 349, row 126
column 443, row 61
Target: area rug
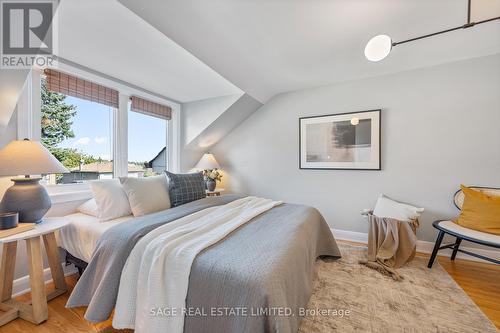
column 349, row 297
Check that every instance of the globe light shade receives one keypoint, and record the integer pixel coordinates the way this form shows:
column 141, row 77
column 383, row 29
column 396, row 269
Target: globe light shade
column 354, row 121
column 378, row 48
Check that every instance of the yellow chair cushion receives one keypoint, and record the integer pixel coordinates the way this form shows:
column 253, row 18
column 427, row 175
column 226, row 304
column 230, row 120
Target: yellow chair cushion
column 480, row 211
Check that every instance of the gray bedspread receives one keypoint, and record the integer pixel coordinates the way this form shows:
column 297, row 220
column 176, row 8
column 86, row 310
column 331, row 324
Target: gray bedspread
column 255, row 280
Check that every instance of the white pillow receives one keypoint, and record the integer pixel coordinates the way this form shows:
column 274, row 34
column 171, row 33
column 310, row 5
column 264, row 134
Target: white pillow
column 89, row 207
column 386, row 207
column 146, row 195
column 111, row 199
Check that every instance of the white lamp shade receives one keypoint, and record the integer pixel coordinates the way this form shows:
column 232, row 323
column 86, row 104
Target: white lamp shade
column 378, row 48
column 27, row 157
column 207, row 162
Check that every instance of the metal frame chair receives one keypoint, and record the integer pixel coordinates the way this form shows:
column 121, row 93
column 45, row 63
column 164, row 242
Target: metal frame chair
column 458, row 201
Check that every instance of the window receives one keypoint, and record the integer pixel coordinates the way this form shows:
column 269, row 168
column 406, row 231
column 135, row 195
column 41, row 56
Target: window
column 147, row 144
column 79, row 133
column 147, row 133
column 83, row 124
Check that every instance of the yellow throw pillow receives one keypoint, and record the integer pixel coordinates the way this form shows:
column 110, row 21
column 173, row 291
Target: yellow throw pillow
column 480, row 211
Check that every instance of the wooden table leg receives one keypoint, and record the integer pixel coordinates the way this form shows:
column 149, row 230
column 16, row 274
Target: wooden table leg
column 55, row 265
column 7, row 270
column 39, row 310
column 6, row 279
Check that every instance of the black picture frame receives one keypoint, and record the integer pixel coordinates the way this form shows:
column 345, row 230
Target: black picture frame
column 379, row 111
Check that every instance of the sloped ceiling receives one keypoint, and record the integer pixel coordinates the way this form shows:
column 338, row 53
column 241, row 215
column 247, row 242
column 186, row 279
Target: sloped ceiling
column 267, row 47
column 198, row 115
column 107, row 37
column 11, row 84
column 235, row 109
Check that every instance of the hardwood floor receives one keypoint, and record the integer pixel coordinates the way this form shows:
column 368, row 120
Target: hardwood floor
column 480, row 281
column 60, row 319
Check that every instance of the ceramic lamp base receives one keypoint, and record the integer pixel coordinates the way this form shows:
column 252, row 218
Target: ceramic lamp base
column 28, row 198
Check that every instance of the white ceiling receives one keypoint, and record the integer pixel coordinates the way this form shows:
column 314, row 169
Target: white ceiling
column 270, row 46
column 107, row 37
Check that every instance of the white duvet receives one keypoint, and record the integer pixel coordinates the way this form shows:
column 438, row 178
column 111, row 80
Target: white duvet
column 80, row 236
column 156, row 274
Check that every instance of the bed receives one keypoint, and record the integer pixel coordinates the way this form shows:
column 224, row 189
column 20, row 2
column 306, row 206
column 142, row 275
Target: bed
column 79, row 238
column 81, row 235
column 265, row 264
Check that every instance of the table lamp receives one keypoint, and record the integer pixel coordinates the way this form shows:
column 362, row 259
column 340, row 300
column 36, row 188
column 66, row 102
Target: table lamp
column 207, row 162
column 27, row 196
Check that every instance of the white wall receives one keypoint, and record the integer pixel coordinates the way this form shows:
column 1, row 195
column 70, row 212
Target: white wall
column 440, row 128
column 9, row 133
column 11, row 85
column 198, row 115
column 205, row 122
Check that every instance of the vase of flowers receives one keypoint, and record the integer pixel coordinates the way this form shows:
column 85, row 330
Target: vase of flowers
column 211, row 178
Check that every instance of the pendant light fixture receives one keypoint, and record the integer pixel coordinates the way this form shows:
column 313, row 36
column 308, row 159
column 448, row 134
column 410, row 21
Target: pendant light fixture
column 380, row 46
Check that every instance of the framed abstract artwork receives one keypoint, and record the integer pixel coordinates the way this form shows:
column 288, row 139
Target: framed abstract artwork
column 345, row 141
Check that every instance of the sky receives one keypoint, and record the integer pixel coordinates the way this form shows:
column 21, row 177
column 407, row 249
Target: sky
column 92, row 126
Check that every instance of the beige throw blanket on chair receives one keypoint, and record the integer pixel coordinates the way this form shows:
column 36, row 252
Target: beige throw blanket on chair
column 391, row 244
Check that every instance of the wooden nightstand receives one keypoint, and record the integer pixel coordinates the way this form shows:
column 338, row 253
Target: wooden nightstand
column 215, row 193
column 36, row 312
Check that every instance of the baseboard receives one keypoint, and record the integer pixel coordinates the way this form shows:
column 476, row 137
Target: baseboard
column 353, row 236
column 22, row 285
column 422, row 246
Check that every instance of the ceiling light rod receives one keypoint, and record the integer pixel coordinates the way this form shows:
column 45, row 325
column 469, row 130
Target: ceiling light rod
column 469, row 24
column 465, row 26
column 380, row 46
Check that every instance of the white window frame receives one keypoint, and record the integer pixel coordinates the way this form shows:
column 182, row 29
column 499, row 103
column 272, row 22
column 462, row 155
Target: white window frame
column 29, row 124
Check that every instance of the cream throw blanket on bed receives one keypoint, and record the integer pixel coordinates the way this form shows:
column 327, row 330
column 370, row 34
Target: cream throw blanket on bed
column 391, row 244
column 156, row 274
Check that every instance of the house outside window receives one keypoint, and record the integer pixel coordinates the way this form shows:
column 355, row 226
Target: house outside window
column 148, row 135
column 82, row 124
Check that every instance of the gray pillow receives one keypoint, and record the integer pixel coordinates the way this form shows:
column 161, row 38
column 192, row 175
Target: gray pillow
column 185, row 187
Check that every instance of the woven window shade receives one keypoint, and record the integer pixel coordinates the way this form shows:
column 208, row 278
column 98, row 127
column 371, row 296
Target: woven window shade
column 74, row 86
column 151, row 108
